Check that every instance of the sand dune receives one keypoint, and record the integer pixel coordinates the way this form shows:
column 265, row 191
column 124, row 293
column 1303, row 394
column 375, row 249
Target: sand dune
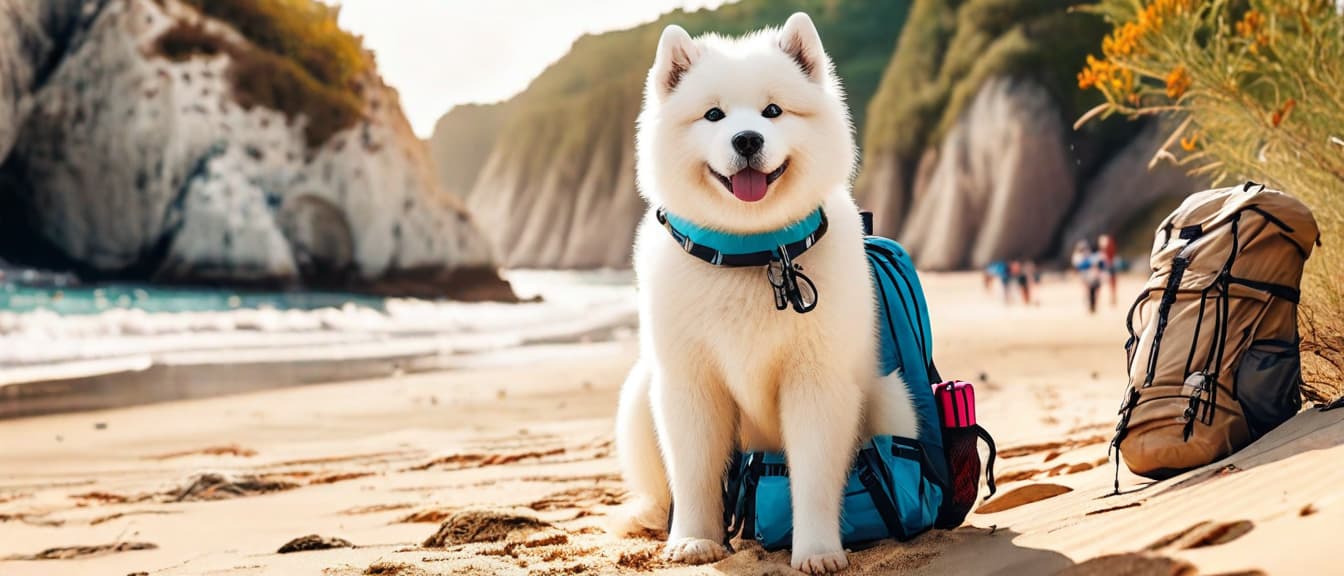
column 506, row 467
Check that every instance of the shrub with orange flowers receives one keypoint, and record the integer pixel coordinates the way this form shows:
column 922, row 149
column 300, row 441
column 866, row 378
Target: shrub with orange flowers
column 1255, row 91
column 1178, row 81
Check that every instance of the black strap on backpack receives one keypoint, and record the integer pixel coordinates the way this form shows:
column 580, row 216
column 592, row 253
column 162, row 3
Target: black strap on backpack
column 739, row 495
column 869, row 466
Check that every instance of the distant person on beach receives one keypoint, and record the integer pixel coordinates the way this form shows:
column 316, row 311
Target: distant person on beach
column 998, row 271
column 1026, row 278
column 1019, row 275
column 1091, row 267
column 1107, row 250
column 991, row 274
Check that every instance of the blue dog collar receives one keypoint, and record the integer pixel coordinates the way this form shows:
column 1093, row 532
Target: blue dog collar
column 734, row 250
column 775, row 250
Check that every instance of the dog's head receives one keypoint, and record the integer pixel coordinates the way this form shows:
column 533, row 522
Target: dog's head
column 746, row 134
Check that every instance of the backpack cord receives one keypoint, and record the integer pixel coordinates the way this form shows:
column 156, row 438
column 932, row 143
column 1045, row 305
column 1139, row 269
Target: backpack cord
column 1116, row 490
column 1199, row 408
column 989, row 465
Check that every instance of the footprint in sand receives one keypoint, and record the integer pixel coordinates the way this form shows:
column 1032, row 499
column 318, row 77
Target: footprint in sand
column 580, row 498
column 119, row 515
column 1022, row 496
column 337, row 477
column 430, row 516
column 108, row 497
column 1059, row 470
column 1051, row 447
column 1130, row 565
column 475, row 460
column 222, row 450
column 375, row 508
column 1202, row 535
column 77, row 552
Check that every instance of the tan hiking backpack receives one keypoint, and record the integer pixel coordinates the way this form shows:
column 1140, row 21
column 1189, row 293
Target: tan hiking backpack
column 1213, row 344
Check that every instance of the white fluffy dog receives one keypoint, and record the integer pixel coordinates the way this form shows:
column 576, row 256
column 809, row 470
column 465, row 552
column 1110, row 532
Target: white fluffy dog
column 747, row 136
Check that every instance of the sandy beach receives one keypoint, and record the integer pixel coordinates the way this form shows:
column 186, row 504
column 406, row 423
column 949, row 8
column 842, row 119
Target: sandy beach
column 502, row 464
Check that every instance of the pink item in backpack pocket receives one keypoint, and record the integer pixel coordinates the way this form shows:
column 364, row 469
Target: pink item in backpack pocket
column 956, row 403
column 961, row 436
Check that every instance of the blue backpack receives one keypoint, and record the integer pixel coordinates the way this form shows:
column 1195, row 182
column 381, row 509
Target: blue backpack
column 896, row 485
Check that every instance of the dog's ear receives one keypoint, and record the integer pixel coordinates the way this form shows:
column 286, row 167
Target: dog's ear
column 676, row 53
column 799, row 39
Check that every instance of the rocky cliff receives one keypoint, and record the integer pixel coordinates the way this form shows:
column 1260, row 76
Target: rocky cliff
column 154, row 140
column 996, row 190
column 554, row 183
column 969, row 156
column 965, row 118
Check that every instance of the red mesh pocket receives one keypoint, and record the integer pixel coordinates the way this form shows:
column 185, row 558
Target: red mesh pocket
column 963, row 460
column 961, row 436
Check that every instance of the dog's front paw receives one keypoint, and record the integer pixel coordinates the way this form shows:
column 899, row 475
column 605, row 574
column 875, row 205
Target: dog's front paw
column 694, row 551
column 820, row 563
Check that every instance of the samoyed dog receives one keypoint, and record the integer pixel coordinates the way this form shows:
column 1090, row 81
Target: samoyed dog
column 742, row 139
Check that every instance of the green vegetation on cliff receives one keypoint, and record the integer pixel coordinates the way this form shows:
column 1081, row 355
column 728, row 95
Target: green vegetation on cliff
column 301, row 62
column 954, row 46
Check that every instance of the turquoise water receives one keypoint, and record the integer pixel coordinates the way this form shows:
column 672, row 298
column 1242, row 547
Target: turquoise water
column 99, row 298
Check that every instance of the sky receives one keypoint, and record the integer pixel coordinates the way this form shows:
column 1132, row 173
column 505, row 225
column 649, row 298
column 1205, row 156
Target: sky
column 441, row 53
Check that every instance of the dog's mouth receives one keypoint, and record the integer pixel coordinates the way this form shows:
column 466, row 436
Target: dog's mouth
column 749, row 184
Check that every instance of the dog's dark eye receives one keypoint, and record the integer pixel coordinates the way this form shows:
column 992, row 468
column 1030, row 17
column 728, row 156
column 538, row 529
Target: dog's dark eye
column 771, row 111
column 714, row 115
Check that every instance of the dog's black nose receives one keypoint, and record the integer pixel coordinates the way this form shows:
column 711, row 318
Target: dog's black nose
column 748, row 143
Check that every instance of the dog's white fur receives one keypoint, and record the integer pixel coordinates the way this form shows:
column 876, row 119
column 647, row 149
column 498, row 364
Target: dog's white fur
column 720, row 368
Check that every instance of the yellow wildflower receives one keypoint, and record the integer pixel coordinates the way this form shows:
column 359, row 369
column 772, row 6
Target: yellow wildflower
column 1096, row 72
column 1178, row 81
column 1250, row 24
column 1188, row 144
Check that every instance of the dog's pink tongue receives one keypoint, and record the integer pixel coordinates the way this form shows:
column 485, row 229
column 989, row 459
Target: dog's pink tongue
column 749, row 185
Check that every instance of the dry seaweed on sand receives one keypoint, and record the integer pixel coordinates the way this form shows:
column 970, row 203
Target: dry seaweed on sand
column 470, row 526
column 76, row 552
column 215, row 486
column 314, row 542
